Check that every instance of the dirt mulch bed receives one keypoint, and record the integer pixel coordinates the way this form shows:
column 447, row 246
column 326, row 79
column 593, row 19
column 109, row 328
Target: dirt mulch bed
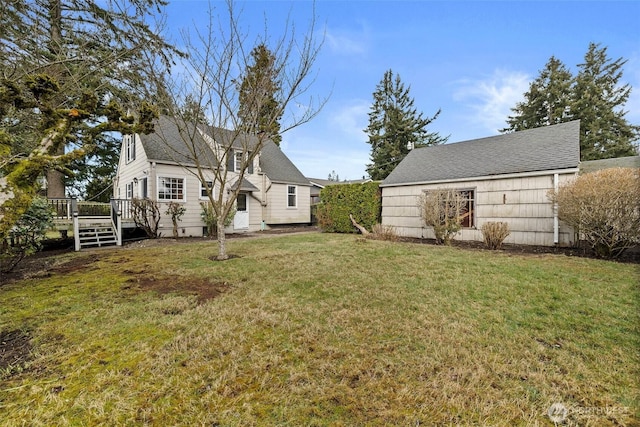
column 15, row 351
column 630, row 256
column 202, row 288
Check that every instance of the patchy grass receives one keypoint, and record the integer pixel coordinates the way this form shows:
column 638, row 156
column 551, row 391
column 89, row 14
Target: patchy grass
column 323, row 330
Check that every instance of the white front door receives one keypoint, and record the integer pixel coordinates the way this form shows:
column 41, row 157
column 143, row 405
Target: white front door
column 241, row 219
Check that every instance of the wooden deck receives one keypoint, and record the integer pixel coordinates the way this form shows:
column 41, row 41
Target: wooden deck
column 93, row 223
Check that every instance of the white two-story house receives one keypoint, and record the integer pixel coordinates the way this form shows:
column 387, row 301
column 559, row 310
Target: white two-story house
column 163, row 166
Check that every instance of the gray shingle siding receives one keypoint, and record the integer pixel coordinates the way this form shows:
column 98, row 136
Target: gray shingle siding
column 546, row 148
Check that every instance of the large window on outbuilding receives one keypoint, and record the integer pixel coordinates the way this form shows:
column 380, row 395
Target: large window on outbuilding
column 468, row 215
column 292, row 197
column 170, row 188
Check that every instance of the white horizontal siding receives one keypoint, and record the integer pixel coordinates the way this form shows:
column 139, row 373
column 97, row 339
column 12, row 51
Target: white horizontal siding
column 277, row 211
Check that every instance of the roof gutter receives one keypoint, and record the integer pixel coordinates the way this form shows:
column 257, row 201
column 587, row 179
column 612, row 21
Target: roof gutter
column 488, row 177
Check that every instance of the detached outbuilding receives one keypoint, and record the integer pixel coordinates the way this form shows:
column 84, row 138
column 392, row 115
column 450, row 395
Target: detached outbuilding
column 504, row 178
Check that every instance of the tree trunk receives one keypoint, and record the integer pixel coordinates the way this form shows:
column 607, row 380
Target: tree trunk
column 222, row 241
column 363, row 230
column 55, row 184
column 55, row 179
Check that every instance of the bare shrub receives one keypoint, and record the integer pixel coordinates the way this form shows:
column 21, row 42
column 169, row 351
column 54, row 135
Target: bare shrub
column 494, row 233
column 146, row 216
column 384, row 232
column 604, row 208
column 443, row 210
column 175, row 211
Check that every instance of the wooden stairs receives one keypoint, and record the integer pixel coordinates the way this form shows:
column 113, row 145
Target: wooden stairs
column 97, row 233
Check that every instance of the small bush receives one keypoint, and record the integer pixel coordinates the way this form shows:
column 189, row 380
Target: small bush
column 494, row 233
column 27, row 234
column 384, row 232
column 443, row 210
column 210, row 218
column 146, row 216
column 175, row 210
column 604, row 208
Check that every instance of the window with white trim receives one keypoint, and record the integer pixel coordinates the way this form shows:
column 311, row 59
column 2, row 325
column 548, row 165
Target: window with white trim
column 292, row 198
column 144, row 188
column 170, row 188
column 204, row 187
column 129, row 190
column 234, row 162
column 130, row 148
column 238, row 160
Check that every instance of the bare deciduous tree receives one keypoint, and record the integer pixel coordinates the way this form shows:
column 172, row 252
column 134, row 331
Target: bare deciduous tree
column 219, row 58
column 443, row 210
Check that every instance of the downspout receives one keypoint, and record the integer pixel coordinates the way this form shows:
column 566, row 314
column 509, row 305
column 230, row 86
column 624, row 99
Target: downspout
column 263, row 202
column 556, row 225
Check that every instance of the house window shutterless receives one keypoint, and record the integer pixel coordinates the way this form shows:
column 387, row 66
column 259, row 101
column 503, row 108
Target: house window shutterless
column 130, row 147
column 144, row 188
column 203, row 189
column 170, row 188
column 129, row 190
column 292, row 198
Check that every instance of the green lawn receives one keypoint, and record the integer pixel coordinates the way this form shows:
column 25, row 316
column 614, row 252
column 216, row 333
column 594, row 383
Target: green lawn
column 323, row 329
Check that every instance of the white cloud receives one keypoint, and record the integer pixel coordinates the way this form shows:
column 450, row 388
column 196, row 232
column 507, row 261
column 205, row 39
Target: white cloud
column 350, row 120
column 491, row 99
column 346, row 43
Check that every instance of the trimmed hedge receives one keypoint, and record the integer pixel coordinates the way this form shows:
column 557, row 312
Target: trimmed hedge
column 363, row 201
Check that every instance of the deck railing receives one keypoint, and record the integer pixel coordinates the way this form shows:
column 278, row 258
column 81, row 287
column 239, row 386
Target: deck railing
column 63, row 208
column 70, row 209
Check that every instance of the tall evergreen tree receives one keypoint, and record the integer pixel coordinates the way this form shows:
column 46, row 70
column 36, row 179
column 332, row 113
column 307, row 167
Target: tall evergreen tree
column 595, row 96
column 598, row 101
column 395, row 126
column 260, row 111
column 192, row 111
column 71, row 69
column 547, row 100
column 87, row 50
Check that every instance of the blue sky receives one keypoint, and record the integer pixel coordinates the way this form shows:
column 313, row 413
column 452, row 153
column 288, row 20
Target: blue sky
column 471, row 59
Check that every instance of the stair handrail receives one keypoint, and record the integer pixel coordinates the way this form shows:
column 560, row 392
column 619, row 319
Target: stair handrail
column 76, row 223
column 116, row 220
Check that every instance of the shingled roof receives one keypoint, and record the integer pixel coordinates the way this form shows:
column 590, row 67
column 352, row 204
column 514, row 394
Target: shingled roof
column 545, row 148
column 278, row 167
column 167, row 145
